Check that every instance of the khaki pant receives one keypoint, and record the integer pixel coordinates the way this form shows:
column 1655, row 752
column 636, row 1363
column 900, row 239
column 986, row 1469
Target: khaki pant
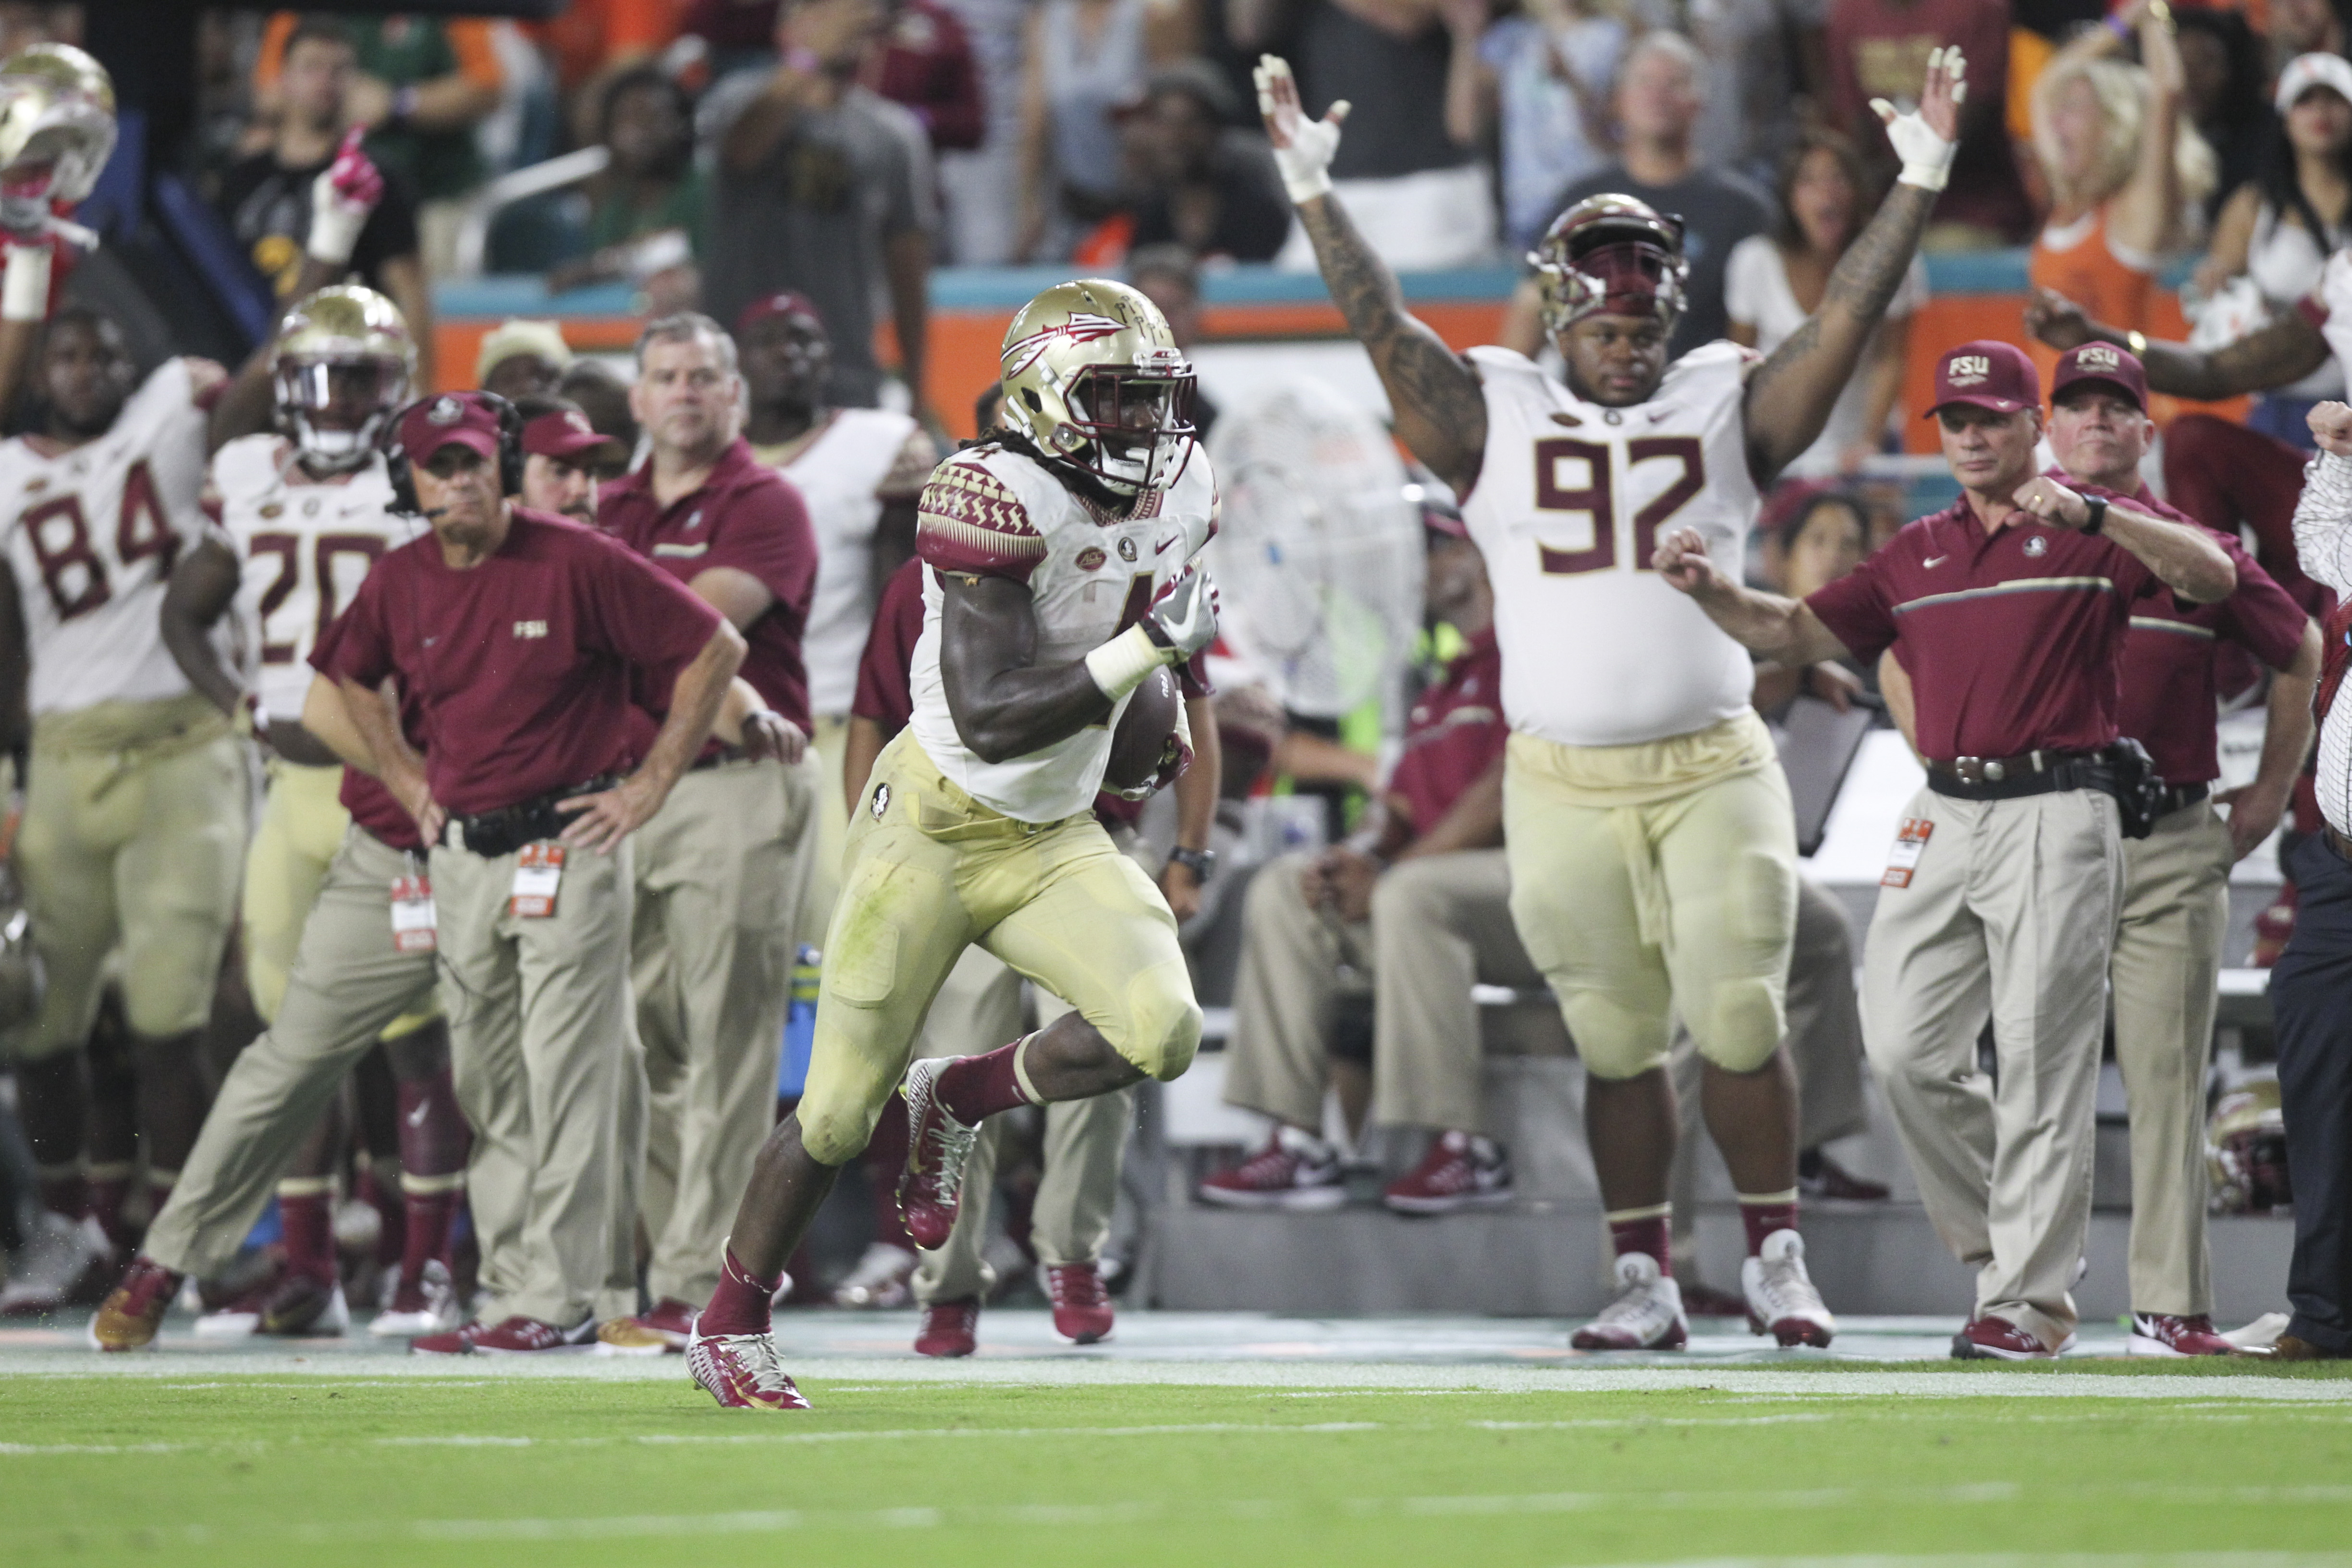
column 930, row 871
column 347, row 984
column 979, row 1010
column 133, row 834
column 539, row 1051
column 1653, row 881
column 1439, row 925
column 722, row 871
column 2011, row 915
column 2165, row 969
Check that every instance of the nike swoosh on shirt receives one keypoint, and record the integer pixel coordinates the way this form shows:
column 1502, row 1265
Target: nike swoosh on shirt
column 416, row 1117
column 1934, row 561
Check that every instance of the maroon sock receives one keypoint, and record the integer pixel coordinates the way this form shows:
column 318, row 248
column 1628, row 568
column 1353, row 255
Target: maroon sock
column 1763, row 1217
column 383, row 1195
column 308, row 1219
column 740, row 1305
column 425, row 1233
column 972, row 1088
column 434, row 1137
column 886, row 1162
column 1644, row 1231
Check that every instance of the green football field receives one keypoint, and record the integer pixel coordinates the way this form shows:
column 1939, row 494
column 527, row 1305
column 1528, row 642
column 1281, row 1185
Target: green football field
column 197, row 1461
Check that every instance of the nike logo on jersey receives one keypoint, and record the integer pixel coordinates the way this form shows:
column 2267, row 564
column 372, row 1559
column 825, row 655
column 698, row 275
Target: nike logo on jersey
column 1161, row 548
column 1934, row 561
column 416, row 1117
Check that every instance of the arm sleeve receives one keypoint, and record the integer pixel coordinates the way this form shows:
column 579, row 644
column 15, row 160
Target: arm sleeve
column 970, row 521
column 357, row 645
column 1855, row 609
column 766, row 532
column 2260, row 616
column 634, row 608
column 2323, row 521
column 884, row 694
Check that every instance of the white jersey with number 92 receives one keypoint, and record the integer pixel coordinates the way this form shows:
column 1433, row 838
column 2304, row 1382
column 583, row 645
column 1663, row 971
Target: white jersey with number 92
column 92, row 533
column 1598, row 650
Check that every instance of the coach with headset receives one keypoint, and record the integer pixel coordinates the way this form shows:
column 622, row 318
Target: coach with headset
column 516, row 631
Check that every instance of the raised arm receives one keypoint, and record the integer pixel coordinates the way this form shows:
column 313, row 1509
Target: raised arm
column 1770, row 623
column 1441, row 413
column 2285, row 351
column 1791, row 394
column 2182, row 554
column 2322, row 517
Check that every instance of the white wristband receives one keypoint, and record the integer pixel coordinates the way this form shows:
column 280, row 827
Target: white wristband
column 24, row 288
column 334, row 231
column 1125, row 662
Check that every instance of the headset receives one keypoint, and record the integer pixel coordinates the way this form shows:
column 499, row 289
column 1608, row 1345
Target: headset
column 395, row 455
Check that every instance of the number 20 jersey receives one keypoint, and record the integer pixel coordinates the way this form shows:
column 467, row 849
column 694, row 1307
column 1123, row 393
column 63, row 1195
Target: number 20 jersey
column 93, row 534
column 1598, row 650
column 302, row 546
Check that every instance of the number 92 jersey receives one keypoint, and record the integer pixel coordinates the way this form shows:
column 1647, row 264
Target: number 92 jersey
column 92, row 533
column 1598, row 650
column 302, row 547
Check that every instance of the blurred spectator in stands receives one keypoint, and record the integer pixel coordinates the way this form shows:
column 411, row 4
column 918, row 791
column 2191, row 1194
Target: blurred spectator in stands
column 1766, row 66
column 643, row 219
column 1198, row 180
column 923, row 62
column 1417, row 906
column 2227, row 83
column 590, row 43
column 1081, row 60
column 421, row 88
column 1544, row 77
column 979, row 190
column 823, row 187
column 2125, row 170
column 1657, row 111
column 21, row 27
column 1408, row 170
column 1774, row 281
column 2277, row 231
column 1875, row 49
column 522, row 359
column 2305, row 27
column 603, row 397
column 1171, row 279
column 736, row 35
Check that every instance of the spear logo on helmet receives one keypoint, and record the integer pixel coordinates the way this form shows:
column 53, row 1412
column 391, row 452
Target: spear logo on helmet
column 1082, row 328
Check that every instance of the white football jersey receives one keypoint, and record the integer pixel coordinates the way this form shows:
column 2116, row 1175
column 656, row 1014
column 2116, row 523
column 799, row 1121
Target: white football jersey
column 93, row 534
column 840, row 475
column 1089, row 576
column 302, row 546
column 1598, row 650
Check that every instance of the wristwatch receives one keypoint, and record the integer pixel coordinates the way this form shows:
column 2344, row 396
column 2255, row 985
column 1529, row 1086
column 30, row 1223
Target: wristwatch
column 2098, row 505
column 1201, row 863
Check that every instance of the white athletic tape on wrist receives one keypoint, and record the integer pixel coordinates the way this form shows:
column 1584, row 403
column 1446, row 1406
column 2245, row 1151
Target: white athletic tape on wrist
column 25, row 286
column 1122, row 664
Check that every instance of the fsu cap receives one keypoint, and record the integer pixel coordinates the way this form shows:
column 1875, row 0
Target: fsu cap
column 1986, row 375
column 466, row 418
column 2101, row 364
column 566, row 434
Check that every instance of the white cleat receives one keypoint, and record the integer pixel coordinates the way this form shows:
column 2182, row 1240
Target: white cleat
column 1646, row 1315
column 43, row 1272
column 1781, row 1300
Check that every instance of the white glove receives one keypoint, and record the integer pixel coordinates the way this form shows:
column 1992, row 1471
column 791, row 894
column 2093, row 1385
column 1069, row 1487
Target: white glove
column 341, row 200
column 1303, row 148
column 1927, row 156
column 1181, row 622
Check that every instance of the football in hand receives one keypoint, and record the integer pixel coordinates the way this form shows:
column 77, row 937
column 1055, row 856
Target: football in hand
column 1141, row 738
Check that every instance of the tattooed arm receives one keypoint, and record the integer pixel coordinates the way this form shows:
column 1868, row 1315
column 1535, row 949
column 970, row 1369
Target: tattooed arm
column 1791, row 394
column 2285, row 351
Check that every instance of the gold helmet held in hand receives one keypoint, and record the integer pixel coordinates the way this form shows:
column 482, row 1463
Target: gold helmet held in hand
column 57, row 127
column 1094, row 380
column 343, row 363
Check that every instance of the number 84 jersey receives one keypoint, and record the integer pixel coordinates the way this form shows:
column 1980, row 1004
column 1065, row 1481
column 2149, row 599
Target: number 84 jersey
column 92, row 533
column 1598, row 650
column 302, row 546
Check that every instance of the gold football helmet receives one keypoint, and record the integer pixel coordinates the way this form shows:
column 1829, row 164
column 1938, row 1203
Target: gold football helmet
column 56, row 130
column 1093, row 379
column 2245, row 1149
column 343, row 363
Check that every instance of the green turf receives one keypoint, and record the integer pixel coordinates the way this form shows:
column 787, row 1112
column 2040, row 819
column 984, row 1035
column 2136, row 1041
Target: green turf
column 414, row 1471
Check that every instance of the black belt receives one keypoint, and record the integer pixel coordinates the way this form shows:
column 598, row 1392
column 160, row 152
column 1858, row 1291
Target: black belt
column 2012, row 778
column 717, row 759
column 502, row 832
column 2183, row 797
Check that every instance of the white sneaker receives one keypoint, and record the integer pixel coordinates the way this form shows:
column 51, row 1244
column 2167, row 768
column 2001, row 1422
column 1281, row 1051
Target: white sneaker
column 1647, row 1315
column 1781, row 1300
column 432, row 1309
column 44, row 1271
column 881, row 1281
column 2262, row 1334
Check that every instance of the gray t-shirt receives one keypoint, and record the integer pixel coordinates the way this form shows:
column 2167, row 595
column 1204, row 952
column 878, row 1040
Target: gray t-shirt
column 1719, row 211
column 1396, row 85
column 816, row 215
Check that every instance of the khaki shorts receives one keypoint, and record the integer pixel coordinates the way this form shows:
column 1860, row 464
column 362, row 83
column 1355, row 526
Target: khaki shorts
column 930, row 871
column 301, row 831
column 134, row 834
column 1656, row 881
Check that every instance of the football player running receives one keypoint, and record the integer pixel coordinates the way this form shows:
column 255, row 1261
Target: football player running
column 1057, row 580
column 1651, row 839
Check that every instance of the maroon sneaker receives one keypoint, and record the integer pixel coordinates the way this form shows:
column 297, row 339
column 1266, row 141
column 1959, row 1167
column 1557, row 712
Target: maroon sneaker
column 741, row 1371
column 1461, row 1170
column 1296, row 1170
column 952, row 1328
column 938, row 1149
column 668, row 1329
column 1082, row 1309
column 133, row 1312
column 1998, row 1338
column 458, row 1341
column 518, row 1336
column 2162, row 1334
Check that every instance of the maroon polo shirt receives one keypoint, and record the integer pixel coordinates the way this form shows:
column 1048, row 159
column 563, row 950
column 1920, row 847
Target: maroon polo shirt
column 372, row 806
column 1452, row 737
column 2171, row 655
column 520, row 663
column 2013, row 639
column 747, row 516
column 883, row 671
